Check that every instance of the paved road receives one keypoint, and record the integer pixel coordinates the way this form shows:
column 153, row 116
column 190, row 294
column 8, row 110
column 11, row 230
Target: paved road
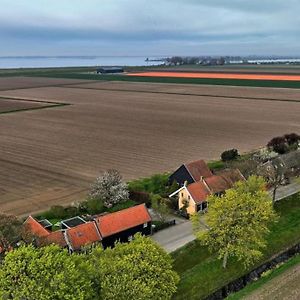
column 177, row 236
column 287, row 190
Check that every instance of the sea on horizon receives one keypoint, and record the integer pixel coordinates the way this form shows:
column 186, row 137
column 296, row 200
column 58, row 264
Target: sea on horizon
column 11, row 62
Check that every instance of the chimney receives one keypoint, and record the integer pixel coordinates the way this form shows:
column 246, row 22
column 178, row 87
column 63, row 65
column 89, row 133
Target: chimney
column 185, row 183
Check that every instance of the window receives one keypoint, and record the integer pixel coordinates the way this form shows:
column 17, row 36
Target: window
column 130, row 238
column 145, row 225
column 189, row 197
column 181, row 194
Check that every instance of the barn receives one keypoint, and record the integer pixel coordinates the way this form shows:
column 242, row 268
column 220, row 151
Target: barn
column 109, row 70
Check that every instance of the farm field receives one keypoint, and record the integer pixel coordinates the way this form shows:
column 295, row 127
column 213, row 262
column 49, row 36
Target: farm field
column 9, row 105
column 51, row 156
column 11, row 83
column 284, row 286
column 215, row 75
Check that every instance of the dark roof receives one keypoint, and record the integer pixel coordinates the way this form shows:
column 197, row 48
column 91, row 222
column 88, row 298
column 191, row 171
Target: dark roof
column 122, row 220
column 45, row 223
column 198, row 169
column 72, row 222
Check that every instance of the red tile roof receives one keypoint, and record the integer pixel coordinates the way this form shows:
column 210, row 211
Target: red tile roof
column 57, row 238
column 198, row 191
column 232, row 175
column 198, row 169
column 35, row 227
column 121, row 220
column 82, row 235
column 217, row 184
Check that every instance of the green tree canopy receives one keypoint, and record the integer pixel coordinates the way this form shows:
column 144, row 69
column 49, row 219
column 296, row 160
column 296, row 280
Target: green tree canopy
column 238, row 221
column 45, row 273
column 139, row 270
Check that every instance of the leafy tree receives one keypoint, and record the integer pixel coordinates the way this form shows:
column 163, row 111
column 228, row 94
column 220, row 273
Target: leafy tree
column 110, row 188
column 139, row 270
column 10, row 231
column 238, row 222
column 160, row 206
column 45, row 273
column 230, row 155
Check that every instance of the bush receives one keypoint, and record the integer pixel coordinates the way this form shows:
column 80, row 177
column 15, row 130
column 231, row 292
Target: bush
column 278, row 144
column 94, row 206
column 56, row 211
column 216, row 165
column 121, row 206
column 140, row 197
column 292, row 139
column 230, row 155
column 156, row 184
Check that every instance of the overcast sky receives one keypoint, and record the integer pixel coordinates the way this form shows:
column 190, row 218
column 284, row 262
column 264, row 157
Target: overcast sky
column 149, row 27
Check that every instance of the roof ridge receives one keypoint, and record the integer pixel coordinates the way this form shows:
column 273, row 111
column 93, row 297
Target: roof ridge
column 122, row 210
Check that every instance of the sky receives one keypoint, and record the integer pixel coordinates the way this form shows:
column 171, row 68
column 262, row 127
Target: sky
column 149, row 27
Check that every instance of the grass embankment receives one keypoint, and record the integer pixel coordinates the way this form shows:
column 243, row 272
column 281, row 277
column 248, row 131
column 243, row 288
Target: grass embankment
column 202, row 273
column 88, row 73
column 268, row 276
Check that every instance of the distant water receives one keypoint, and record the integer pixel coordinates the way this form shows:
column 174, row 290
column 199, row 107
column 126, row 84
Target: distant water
column 74, row 61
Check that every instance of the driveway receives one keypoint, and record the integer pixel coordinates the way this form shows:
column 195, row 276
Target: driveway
column 288, row 190
column 175, row 237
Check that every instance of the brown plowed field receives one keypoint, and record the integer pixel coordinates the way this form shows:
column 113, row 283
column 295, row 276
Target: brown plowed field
column 195, row 89
column 51, row 156
column 283, row 287
column 215, row 75
column 8, row 105
column 8, row 83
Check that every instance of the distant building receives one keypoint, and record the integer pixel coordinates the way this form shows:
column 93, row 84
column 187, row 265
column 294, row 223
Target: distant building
column 110, row 70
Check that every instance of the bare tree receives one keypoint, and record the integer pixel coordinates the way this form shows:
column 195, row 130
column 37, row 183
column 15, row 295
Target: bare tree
column 274, row 173
column 109, row 188
column 10, row 231
column 160, row 206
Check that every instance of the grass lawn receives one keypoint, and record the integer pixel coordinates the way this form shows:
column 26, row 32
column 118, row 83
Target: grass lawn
column 202, row 273
column 264, row 279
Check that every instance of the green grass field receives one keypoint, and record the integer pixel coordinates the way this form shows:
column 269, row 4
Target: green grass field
column 202, row 273
column 88, row 73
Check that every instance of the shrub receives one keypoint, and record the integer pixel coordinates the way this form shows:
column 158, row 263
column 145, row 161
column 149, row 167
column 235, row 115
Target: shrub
column 230, row 155
column 56, row 211
column 140, row 197
column 94, row 206
column 292, row 139
column 156, row 184
column 278, row 144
